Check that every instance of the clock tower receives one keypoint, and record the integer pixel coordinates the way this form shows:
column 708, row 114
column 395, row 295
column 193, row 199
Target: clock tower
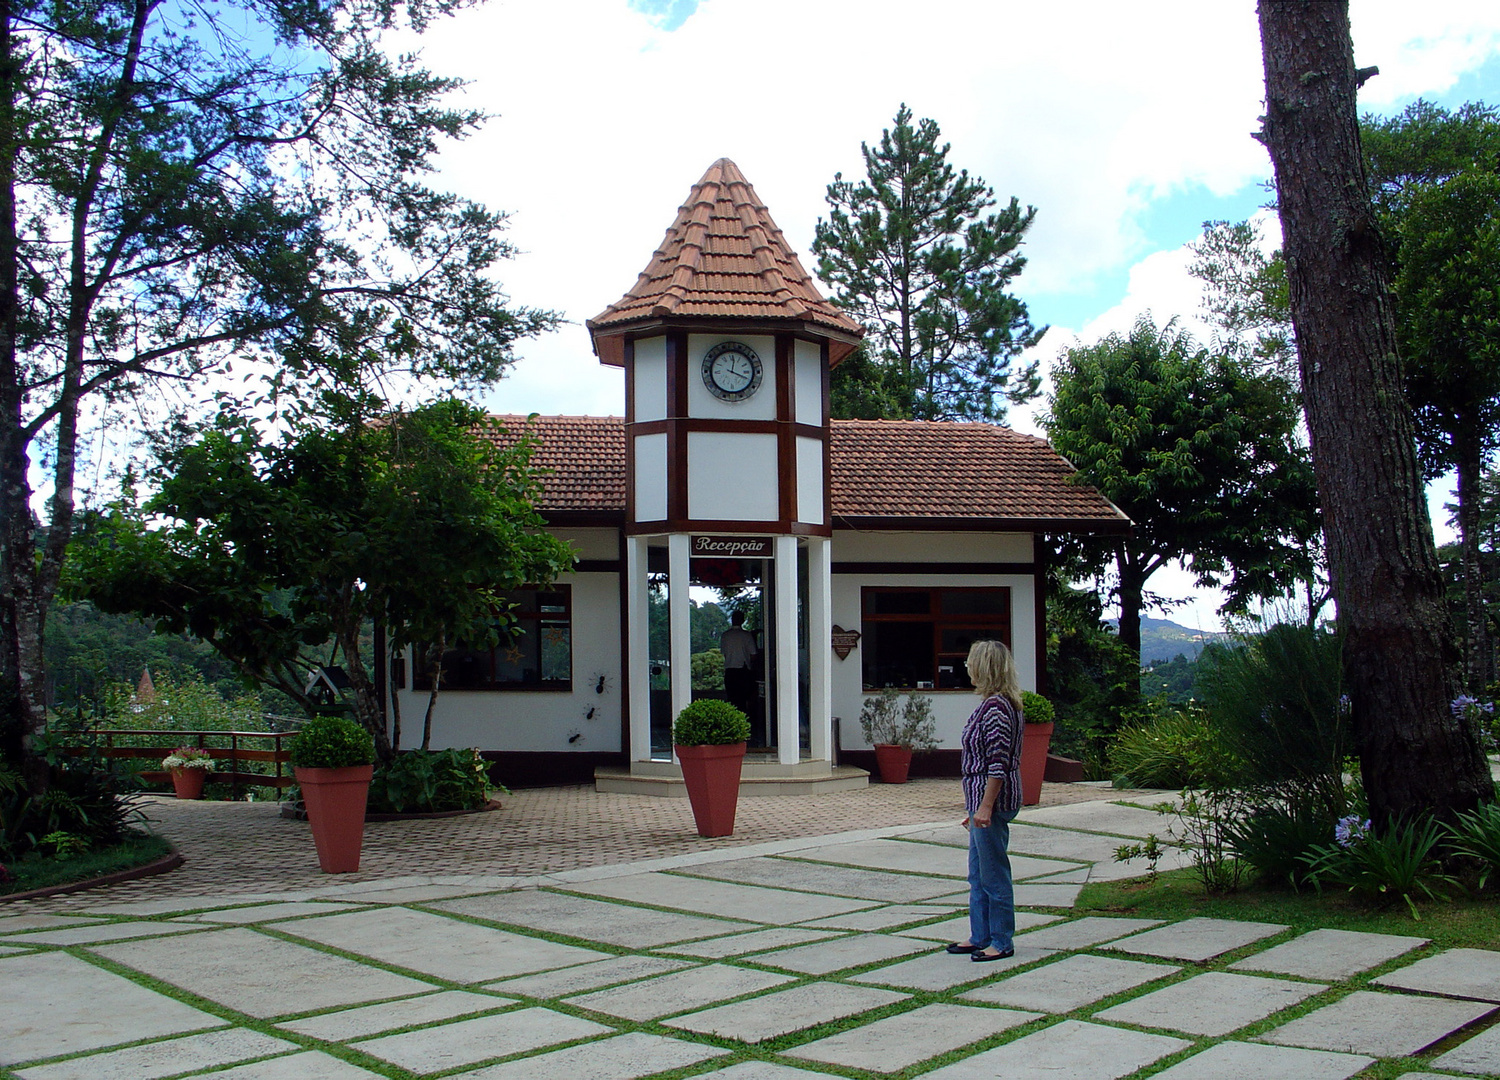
column 727, row 345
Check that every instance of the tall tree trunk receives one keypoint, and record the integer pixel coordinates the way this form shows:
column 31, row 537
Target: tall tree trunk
column 1415, row 756
column 1132, row 594
column 1476, row 633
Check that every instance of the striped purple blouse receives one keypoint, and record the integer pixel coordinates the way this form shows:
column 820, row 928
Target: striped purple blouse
column 992, row 747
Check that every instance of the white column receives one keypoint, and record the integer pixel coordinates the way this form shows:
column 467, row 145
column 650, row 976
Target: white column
column 820, row 646
column 681, row 654
column 785, row 552
column 637, row 663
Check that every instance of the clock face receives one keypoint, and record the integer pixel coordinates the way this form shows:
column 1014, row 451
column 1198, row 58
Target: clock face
column 731, row 371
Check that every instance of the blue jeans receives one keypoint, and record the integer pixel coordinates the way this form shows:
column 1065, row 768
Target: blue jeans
column 992, row 897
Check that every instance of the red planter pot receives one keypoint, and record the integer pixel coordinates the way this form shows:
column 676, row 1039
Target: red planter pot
column 894, row 762
column 335, row 801
column 1034, row 743
column 188, row 783
column 712, row 774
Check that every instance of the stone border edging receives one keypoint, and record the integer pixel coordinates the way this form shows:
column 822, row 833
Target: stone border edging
column 159, row 866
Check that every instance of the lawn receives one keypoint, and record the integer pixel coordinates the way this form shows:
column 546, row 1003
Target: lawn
column 38, row 872
column 1463, row 921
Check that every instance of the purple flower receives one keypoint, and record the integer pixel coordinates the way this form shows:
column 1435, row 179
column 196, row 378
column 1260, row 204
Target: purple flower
column 1350, row 830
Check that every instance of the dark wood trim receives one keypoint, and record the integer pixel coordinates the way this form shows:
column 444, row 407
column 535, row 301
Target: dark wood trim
column 630, row 423
column 1039, row 553
column 599, row 566
column 677, row 408
column 930, row 763
column 827, row 436
column 1110, row 527
column 687, row 525
column 804, row 328
column 786, row 442
column 584, row 519
column 625, row 658
column 735, row 427
column 544, row 768
column 932, row 568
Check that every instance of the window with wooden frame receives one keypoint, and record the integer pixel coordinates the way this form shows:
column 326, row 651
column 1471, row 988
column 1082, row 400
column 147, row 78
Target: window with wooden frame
column 535, row 650
column 918, row 638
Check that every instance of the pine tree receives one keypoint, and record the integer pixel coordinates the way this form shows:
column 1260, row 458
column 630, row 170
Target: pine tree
column 913, row 254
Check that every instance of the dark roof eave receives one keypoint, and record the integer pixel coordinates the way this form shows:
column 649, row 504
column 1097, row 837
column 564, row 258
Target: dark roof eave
column 1099, row 526
column 845, row 341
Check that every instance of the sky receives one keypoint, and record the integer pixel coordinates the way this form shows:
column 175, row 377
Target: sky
column 1125, row 125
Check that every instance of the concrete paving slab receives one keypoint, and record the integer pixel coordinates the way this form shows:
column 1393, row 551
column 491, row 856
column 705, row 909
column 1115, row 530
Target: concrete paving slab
column 1196, row 939
column 1071, row 1050
column 1425, row 1076
column 783, row 1011
column 958, row 899
column 1462, row 973
column 1064, row 843
column 49, row 1006
column 950, row 835
column 678, row 992
column 1381, row 1025
column 388, row 1016
column 823, row 957
column 1070, row 983
column 167, row 1058
column 1116, row 819
column 11, row 950
column 723, row 899
column 761, row 1070
column 898, row 1042
column 777, row 937
column 1237, row 1060
column 943, row 971
column 260, row 975
column 883, row 918
column 1214, row 1003
column 170, row 905
column 1110, row 870
column 813, row 877
column 463, row 1042
column 436, row 945
column 406, row 894
column 1067, row 877
column 1086, row 932
column 1047, row 895
column 268, row 912
column 589, row 919
column 575, row 980
column 957, row 928
column 98, row 932
column 312, row 1065
column 1481, row 1054
column 621, row 1058
column 1329, row 954
column 937, row 860
column 13, row 924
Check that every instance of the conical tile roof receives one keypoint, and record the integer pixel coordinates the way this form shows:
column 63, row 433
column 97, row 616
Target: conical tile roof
column 723, row 259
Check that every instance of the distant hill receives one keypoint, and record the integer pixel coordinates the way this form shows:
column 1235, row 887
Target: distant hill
column 1162, row 639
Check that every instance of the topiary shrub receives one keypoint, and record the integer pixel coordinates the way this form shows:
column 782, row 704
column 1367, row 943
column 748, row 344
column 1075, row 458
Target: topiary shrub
column 710, row 722
column 331, row 742
column 1036, row 709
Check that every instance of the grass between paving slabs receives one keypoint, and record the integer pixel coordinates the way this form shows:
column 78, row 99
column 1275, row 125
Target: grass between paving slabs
column 1463, row 922
column 37, row 872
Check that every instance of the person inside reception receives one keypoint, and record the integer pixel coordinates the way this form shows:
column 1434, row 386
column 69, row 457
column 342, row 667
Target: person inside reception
column 739, row 649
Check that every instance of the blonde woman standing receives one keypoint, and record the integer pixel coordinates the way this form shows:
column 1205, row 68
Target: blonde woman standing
column 992, row 795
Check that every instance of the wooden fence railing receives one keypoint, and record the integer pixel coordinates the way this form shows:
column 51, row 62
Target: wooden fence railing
column 226, row 746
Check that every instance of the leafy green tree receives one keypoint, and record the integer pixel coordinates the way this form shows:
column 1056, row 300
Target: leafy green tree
column 181, row 188
column 1245, row 293
column 913, row 253
column 1200, row 451
column 269, row 551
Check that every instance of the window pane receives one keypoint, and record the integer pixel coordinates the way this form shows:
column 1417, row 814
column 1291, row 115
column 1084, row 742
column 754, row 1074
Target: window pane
column 517, row 660
column 557, row 652
column 465, row 668
column 897, row 654
column 952, row 674
column 881, row 602
column 960, row 640
column 551, row 602
column 976, row 601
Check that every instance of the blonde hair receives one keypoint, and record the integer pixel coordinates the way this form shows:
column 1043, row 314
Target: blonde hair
column 993, row 671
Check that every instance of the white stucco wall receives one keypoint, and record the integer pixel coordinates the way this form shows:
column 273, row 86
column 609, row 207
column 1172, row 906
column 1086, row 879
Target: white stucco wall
column 807, row 360
column 949, row 707
column 759, row 406
column 649, row 381
column 540, row 720
column 731, row 476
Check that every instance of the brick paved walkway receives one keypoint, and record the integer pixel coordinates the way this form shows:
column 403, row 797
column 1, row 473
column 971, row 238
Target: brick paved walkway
column 249, row 848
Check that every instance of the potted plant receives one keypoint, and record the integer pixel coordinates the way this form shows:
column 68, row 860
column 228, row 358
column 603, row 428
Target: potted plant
column 333, row 760
column 895, row 730
column 1035, row 742
column 189, row 767
column 709, row 739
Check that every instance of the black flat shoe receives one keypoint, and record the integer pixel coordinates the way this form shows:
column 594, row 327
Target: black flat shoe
column 958, row 950
column 984, row 957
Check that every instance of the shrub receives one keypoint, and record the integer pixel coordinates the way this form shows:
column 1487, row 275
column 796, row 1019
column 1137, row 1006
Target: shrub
column 1036, row 709
column 1477, row 835
column 885, row 721
column 1176, row 749
column 430, row 781
column 188, row 757
column 1276, row 707
column 331, row 742
column 1402, row 861
column 710, row 722
column 93, row 804
column 1275, row 838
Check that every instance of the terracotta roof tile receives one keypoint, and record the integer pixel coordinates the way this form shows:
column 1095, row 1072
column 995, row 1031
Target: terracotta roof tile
column 881, row 469
column 724, row 257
